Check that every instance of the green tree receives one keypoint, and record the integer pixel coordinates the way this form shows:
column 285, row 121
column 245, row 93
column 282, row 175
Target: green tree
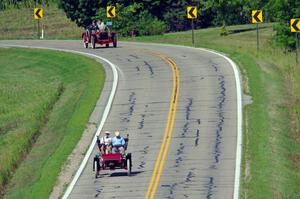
column 80, row 11
column 282, row 11
column 133, row 16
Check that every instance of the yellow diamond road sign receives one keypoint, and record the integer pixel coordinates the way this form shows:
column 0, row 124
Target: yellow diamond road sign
column 295, row 25
column 257, row 16
column 110, row 11
column 38, row 13
column 191, row 12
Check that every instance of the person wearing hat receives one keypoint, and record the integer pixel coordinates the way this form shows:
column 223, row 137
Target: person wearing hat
column 118, row 143
column 105, row 143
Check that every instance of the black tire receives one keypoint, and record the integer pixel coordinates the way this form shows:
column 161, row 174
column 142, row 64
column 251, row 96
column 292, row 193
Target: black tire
column 107, row 45
column 115, row 42
column 128, row 162
column 96, row 166
column 96, row 169
column 93, row 41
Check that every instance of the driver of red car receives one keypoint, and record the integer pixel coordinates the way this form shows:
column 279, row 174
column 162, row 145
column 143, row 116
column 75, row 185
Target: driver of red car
column 91, row 28
column 118, row 143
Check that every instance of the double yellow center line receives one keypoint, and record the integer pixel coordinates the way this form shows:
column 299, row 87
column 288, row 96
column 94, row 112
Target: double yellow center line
column 160, row 161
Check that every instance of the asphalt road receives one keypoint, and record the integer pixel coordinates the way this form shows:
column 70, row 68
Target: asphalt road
column 200, row 161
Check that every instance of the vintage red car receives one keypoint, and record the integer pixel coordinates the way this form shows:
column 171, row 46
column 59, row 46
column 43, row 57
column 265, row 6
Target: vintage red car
column 98, row 37
column 112, row 161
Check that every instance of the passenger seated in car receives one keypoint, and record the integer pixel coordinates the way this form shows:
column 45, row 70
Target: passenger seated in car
column 118, row 143
column 101, row 25
column 105, row 143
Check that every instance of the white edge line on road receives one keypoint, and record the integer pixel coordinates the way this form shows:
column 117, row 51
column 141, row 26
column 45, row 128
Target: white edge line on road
column 104, row 115
column 238, row 83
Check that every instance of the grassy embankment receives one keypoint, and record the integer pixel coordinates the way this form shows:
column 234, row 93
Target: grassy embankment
column 19, row 24
column 271, row 142
column 46, row 99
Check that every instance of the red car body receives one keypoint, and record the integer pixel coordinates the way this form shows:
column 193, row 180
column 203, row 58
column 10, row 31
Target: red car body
column 112, row 161
column 101, row 38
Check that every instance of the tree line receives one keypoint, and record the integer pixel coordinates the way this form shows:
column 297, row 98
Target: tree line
column 150, row 17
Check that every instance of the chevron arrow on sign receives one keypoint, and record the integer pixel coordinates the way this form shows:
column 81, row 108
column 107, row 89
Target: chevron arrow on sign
column 295, row 25
column 111, row 11
column 257, row 16
column 38, row 13
column 191, row 12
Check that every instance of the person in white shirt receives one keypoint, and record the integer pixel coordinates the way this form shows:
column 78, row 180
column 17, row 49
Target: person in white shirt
column 105, row 143
column 101, row 25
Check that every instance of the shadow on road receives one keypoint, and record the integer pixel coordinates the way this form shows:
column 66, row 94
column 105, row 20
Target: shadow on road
column 118, row 174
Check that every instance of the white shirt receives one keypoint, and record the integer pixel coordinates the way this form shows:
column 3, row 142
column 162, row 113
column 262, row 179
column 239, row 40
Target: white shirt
column 105, row 140
column 101, row 26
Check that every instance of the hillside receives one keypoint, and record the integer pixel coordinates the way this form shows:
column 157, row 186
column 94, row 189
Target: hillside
column 20, row 24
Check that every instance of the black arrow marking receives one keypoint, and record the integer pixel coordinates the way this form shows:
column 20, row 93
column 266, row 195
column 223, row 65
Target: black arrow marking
column 294, row 25
column 256, row 16
column 110, row 11
column 37, row 13
column 191, row 12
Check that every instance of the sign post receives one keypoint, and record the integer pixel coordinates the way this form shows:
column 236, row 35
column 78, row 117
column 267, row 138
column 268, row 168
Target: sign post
column 193, row 37
column 297, row 46
column 257, row 17
column 38, row 14
column 295, row 27
column 192, row 14
column 111, row 12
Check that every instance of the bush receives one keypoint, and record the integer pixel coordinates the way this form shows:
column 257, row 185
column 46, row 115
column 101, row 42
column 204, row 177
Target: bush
column 284, row 38
column 223, row 31
column 149, row 25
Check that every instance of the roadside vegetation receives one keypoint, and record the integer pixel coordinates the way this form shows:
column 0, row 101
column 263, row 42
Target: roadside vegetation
column 151, row 17
column 271, row 142
column 46, row 100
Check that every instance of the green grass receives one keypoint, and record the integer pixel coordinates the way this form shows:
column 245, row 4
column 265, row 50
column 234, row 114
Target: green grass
column 46, row 99
column 271, row 142
column 19, row 24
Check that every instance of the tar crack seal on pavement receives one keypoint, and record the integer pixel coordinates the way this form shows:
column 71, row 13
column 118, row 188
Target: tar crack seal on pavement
column 150, row 68
column 219, row 127
column 142, row 158
column 131, row 102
